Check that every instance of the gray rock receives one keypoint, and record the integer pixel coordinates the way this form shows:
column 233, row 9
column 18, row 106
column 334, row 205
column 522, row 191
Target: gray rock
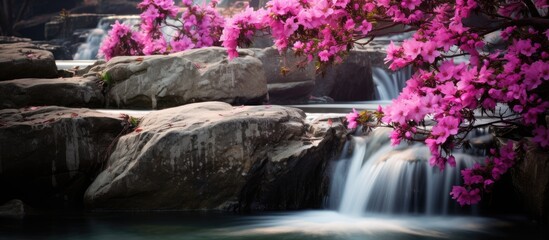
column 25, row 60
column 69, row 92
column 65, row 26
column 530, row 178
column 13, row 39
column 49, row 155
column 295, row 85
column 291, row 92
column 13, row 209
column 196, row 75
column 351, row 80
column 215, row 156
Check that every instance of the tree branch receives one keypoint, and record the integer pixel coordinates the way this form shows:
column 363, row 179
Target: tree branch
column 532, row 8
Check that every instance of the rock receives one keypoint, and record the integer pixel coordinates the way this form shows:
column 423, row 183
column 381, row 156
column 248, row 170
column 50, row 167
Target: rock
column 13, row 209
column 25, row 60
column 49, row 155
column 351, row 80
column 68, row 92
column 58, row 48
column 296, row 85
column 33, row 27
column 196, row 75
column 290, row 93
column 214, row 156
column 12, row 39
column 118, row 7
column 530, row 178
column 64, row 26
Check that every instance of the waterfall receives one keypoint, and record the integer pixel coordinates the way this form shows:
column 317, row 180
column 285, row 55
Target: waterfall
column 89, row 49
column 388, row 84
column 379, row 178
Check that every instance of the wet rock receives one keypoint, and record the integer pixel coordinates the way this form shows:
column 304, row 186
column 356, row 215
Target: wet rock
column 12, row 39
column 13, row 209
column 351, row 80
column 530, row 179
column 214, row 156
column 196, row 75
column 69, row 92
column 25, row 60
column 49, row 155
column 295, row 85
column 59, row 48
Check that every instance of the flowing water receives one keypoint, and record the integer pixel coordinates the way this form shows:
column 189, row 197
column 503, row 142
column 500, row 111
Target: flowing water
column 379, row 178
column 388, row 84
column 377, row 192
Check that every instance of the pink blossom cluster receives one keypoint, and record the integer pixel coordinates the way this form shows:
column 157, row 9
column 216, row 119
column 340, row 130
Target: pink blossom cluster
column 154, row 14
column 199, row 26
column 202, row 27
column 438, row 104
column 352, row 119
column 321, row 30
column 240, row 29
column 122, row 41
column 448, row 93
column 481, row 178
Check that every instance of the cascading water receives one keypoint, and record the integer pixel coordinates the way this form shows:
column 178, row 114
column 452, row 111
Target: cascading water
column 379, row 178
column 89, row 50
column 388, row 84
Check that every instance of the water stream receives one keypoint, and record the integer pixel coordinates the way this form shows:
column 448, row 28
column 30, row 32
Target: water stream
column 379, row 178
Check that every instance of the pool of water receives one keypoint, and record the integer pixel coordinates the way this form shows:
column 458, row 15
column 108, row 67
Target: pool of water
column 287, row 225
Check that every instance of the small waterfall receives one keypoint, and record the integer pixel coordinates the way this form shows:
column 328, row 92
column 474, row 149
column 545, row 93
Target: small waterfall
column 379, row 178
column 388, row 84
column 89, row 49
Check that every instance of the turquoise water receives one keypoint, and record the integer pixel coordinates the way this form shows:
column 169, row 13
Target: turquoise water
column 288, row 225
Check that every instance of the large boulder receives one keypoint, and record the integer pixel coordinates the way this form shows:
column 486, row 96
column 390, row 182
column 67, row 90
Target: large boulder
column 197, row 75
column 352, row 80
column 215, row 156
column 25, row 60
column 49, row 155
column 530, row 179
column 69, row 92
column 13, row 209
column 290, row 78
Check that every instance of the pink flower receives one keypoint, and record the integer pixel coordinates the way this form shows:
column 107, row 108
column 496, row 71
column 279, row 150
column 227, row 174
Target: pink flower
column 429, row 52
column 298, row 46
column 525, row 47
column 412, row 48
column 324, row 56
column 351, row 119
column 541, row 136
column 445, row 127
column 465, row 197
column 365, row 27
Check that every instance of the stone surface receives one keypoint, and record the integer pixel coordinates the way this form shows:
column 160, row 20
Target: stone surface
column 196, row 75
column 215, row 156
column 68, row 92
column 119, row 7
column 351, row 80
column 13, row 209
column 25, row 60
column 296, row 85
column 49, row 155
column 530, row 178
column 12, row 39
column 64, row 27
